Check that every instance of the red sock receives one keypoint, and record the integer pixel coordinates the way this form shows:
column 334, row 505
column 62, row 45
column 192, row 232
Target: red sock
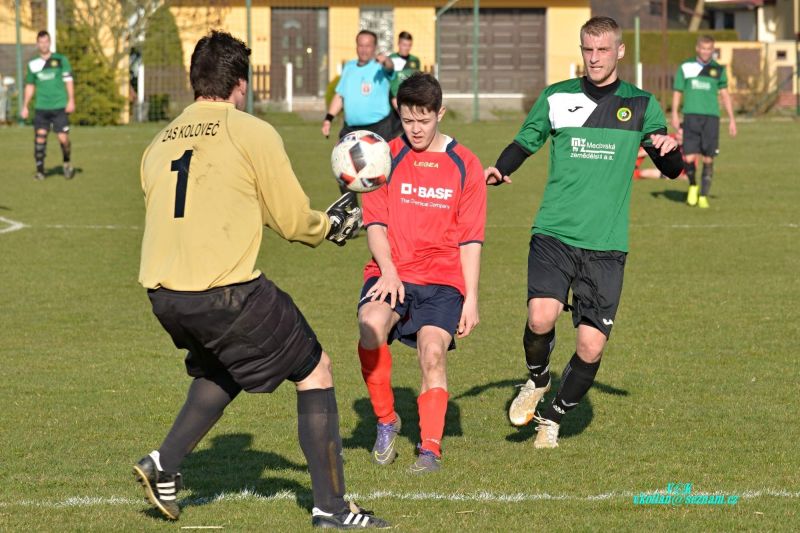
column 376, row 367
column 432, row 407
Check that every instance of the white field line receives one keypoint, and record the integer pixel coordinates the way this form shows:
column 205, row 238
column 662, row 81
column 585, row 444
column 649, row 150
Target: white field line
column 13, row 225
column 475, row 497
column 7, row 226
column 10, row 225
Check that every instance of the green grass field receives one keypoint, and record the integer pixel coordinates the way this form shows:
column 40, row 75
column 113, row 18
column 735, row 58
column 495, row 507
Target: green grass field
column 699, row 382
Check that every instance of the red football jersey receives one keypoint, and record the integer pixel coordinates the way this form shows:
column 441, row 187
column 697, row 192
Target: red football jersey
column 432, row 203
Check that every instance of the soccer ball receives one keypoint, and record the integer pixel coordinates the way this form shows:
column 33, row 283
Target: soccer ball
column 361, row 161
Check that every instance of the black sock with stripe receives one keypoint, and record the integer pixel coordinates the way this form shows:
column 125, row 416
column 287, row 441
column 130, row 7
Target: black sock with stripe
column 576, row 381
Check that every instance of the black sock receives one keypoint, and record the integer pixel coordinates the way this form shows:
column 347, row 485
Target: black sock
column 39, row 151
column 318, row 430
column 66, row 149
column 537, row 354
column 204, row 405
column 708, row 172
column 690, row 169
column 576, row 380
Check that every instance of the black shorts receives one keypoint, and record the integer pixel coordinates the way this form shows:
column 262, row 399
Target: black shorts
column 595, row 278
column 388, row 127
column 701, row 135
column 424, row 305
column 44, row 119
column 253, row 331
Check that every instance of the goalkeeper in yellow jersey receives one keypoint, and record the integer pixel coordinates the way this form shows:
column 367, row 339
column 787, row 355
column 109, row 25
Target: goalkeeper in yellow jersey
column 212, row 179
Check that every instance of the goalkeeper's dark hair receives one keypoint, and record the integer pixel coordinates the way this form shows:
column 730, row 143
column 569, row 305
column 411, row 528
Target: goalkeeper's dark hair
column 421, row 91
column 219, row 61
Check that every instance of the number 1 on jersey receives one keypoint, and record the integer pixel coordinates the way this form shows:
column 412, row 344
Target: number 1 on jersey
column 181, row 166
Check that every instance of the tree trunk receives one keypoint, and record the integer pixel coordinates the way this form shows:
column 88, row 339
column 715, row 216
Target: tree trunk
column 697, row 16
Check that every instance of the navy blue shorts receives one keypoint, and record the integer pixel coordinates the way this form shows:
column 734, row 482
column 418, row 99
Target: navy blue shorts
column 424, row 305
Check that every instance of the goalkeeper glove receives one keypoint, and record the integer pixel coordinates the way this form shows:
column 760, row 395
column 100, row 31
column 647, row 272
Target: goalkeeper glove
column 345, row 217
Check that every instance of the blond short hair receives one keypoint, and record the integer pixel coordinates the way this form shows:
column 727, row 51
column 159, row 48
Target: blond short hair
column 597, row 26
column 705, row 39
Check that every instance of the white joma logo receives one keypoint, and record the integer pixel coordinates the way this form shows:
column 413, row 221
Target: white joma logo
column 608, row 322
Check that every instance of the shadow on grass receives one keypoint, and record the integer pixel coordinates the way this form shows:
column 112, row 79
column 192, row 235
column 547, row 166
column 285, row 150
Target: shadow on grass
column 405, row 403
column 231, row 466
column 670, row 194
column 573, row 424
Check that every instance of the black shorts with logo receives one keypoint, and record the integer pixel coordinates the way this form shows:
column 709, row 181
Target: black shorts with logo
column 44, row 119
column 701, row 135
column 595, row 278
column 253, row 331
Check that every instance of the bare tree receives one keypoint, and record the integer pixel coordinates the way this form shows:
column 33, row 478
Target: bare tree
column 697, row 15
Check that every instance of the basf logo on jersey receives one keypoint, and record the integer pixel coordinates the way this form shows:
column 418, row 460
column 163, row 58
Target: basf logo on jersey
column 436, row 193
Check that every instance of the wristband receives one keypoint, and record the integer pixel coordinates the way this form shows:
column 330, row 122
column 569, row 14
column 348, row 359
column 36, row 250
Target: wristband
column 328, row 117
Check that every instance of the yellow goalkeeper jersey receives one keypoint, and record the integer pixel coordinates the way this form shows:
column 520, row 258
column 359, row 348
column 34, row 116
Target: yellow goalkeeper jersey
column 212, row 179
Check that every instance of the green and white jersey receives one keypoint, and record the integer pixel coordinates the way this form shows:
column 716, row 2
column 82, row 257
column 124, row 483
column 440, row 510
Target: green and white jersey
column 700, row 83
column 404, row 67
column 49, row 76
column 593, row 150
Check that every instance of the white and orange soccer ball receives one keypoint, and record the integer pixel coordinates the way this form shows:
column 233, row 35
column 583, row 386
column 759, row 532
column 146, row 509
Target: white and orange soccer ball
column 361, row 161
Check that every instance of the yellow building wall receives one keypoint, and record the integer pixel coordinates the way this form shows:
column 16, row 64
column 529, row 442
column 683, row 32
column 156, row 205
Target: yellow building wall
column 563, row 40
column 193, row 23
column 8, row 31
column 343, row 25
column 420, row 22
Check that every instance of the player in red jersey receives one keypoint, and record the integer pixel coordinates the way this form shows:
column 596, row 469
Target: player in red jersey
column 425, row 231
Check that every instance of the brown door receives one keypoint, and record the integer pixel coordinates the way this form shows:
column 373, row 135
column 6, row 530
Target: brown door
column 511, row 52
column 299, row 36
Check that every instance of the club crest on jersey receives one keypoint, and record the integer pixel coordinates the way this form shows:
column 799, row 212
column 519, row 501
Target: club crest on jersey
column 712, row 72
column 624, row 114
column 54, row 63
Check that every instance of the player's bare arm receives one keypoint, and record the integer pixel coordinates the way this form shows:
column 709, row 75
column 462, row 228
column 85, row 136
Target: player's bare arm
column 29, row 90
column 337, row 103
column 470, row 268
column 728, row 105
column 676, row 102
column 389, row 282
column 70, row 86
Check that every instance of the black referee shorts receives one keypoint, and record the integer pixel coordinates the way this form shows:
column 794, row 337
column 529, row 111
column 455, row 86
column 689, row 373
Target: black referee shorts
column 595, row 278
column 701, row 135
column 44, row 119
column 388, row 127
column 253, row 331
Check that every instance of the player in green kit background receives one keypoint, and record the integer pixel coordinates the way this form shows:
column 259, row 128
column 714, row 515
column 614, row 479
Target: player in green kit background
column 700, row 79
column 49, row 76
column 580, row 236
column 405, row 64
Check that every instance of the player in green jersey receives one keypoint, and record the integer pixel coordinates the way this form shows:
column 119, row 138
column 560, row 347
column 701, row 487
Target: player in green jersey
column 405, row 63
column 50, row 78
column 579, row 239
column 700, row 79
